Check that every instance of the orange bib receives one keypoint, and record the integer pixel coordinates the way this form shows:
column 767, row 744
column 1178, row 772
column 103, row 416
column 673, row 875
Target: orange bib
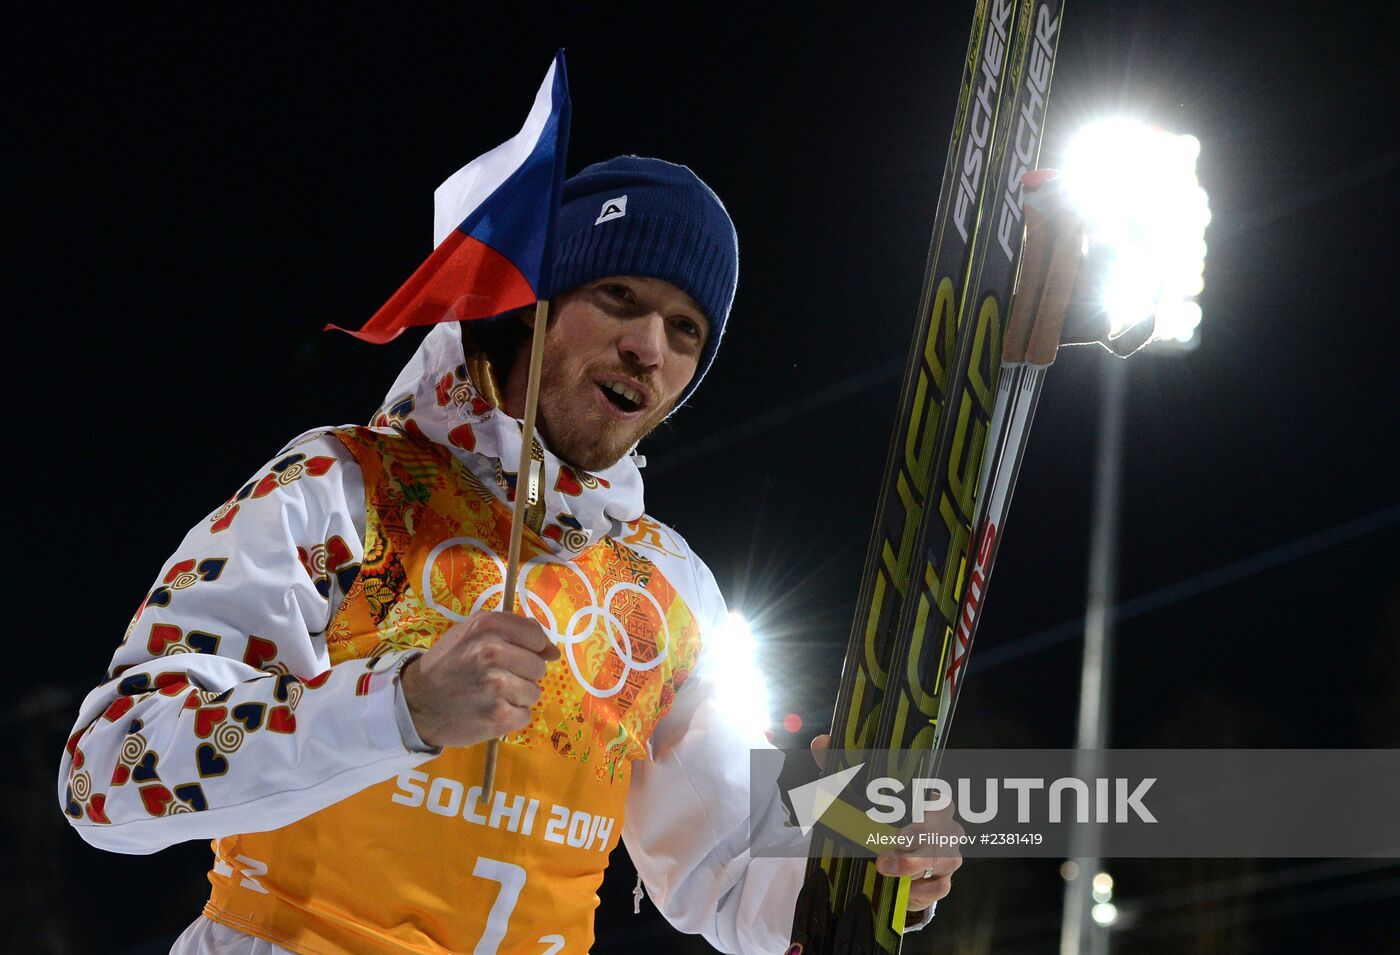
column 423, row 863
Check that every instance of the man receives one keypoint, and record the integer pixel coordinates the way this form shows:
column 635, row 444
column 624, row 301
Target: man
column 311, row 680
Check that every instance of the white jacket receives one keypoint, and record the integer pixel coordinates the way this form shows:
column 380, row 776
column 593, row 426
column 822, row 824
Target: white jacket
column 237, row 622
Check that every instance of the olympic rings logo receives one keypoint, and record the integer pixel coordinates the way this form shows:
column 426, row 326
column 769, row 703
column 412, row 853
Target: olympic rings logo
column 581, row 625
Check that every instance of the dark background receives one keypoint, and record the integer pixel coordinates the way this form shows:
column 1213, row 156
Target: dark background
column 194, row 195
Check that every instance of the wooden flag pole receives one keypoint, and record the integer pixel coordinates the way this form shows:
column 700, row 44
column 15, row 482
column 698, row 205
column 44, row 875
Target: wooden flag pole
column 527, row 492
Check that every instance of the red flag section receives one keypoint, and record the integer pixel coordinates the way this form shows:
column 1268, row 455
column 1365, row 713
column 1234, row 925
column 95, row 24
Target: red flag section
column 463, row 279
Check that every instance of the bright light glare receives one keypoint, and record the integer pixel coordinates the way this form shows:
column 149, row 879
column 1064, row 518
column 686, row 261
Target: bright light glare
column 1103, row 887
column 1137, row 189
column 741, row 689
column 1105, row 913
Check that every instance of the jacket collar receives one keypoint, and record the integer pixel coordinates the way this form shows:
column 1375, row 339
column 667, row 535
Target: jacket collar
column 451, row 399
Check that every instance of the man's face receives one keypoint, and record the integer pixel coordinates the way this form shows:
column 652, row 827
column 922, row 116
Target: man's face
column 618, row 353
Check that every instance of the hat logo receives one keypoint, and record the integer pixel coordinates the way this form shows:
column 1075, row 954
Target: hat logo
column 612, row 209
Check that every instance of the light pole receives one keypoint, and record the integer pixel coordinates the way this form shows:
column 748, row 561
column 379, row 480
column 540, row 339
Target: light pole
column 1081, row 933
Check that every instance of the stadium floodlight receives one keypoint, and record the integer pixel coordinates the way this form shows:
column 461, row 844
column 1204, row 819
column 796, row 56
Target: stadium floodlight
column 1103, row 887
column 741, row 689
column 1137, row 189
column 1105, row 913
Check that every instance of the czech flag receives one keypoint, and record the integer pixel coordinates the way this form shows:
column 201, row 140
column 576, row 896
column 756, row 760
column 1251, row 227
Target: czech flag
column 493, row 227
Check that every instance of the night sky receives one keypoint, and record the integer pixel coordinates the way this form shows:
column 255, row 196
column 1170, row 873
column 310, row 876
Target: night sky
column 193, row 198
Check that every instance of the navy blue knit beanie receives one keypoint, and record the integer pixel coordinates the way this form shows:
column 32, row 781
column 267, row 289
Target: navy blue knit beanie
column 637, row 216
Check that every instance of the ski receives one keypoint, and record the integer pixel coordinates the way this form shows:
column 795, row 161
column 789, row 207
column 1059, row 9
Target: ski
column 1043, row 291
column 892, row 689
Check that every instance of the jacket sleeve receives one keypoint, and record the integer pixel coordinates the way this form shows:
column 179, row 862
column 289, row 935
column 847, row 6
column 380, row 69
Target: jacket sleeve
column 221, row 713
column 688, row 828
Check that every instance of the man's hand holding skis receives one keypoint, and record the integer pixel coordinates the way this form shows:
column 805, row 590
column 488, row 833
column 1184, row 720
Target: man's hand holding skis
column 931, row 877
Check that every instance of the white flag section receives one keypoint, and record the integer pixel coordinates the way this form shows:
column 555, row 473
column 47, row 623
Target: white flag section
column 467, row 188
